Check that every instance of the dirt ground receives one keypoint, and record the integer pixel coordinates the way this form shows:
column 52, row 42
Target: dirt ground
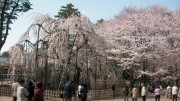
column 5, row 98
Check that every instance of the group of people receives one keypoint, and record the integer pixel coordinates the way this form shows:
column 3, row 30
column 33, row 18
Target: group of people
column 135, row 93
column 172, row 92
column 35, row 91
column 142, row 92
column 30, row 92
column 69, row 91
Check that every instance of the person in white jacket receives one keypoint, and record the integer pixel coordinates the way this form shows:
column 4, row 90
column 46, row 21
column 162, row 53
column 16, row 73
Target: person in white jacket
column 169, row 91
column 79, row 91
column 22, row 92
column 143, row 92
column 174, row 93
column 14, row 89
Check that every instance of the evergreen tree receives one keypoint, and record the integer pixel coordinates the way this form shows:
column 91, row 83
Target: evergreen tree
column 9, row 10
column 100, row 21
column 67, row 11
column 5, row 54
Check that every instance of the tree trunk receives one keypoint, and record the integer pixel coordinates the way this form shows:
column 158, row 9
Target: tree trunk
column 1, row 23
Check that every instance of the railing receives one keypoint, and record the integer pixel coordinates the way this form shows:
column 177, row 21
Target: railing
column 5, row 91
column 54, row 95
column 92, row 94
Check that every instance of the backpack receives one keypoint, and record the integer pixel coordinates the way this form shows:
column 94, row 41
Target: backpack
column 126, row 91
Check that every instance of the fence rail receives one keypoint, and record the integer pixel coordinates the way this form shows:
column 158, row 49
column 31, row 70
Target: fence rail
column 5, row 91
column 54, row 95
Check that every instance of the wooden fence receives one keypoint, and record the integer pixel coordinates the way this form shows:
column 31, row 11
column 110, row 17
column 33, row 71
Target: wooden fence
column 54, row 95
column 5, row 91
column 92, row 94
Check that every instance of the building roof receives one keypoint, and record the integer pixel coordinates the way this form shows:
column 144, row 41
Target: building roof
column 4, row 62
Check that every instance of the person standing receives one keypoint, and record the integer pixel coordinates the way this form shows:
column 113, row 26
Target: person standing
column 68, row 91
column 126, row 93
column 148, row 91
column 139, row 89
column 113, row 89
column 143, row 92
column 73, row 87
column 14, row 89
column 135, row 93
column 157, row 92
column 22, row 92
column 84, row 92
column 169, row 91
column 39, row 92
column 79, row 91
column 174, row 93
column 31, row 91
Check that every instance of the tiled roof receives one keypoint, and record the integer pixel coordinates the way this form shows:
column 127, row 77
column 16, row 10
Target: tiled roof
column 4, row 60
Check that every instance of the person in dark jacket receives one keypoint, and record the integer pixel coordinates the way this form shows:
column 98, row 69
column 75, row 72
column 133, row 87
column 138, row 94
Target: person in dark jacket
column 84, row 92
column 126, row 93
column 68, row 91
column 113, row 89
column 31, row 91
